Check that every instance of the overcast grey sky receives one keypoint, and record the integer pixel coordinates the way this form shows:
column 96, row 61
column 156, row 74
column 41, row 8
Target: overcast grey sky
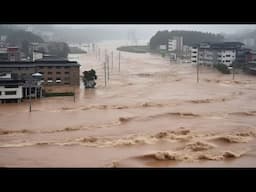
column 223, row 28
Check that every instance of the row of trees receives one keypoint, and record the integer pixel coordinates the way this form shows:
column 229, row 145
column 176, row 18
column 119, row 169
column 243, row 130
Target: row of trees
column 189, row 37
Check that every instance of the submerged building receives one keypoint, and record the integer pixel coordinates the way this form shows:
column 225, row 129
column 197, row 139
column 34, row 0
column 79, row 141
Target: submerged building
column 214, row 53
column 54, row 72
column 13, row 89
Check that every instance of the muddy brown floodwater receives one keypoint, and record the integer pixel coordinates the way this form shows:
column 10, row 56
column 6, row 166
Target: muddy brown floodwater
column 153, row 113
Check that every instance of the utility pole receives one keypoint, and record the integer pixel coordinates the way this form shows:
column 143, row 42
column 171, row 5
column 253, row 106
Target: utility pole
column 112, row 63
column 233, row 70
column 105, row 75
column 99, row 53
column 105, row 54
column 74, row 94
column 30, row 96
column 108, row 66
column 74, row 90
column 119, row 61
column 95, row 50
column 197, row 72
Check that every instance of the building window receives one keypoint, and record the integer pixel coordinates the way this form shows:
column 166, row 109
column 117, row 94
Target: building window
column 58, row 80
column 49, row 73
column 58, row 67
column 58, row 73
column 0, row 93
column 11, row 86
column 41, row 67
column 66, row 72
column 49, row 67
column 66, row 83
column 49, row 80
column 66, row 67
column 227, row 55
column 10, row 92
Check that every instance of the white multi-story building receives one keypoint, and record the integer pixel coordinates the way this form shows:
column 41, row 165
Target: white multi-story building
column 179, row 46
column 210, row 54
column 10, row 89
column 37, row 55
column 172, row 45
column 186, row 51
column 226, row 57
column 175, row 44
column 194, row 55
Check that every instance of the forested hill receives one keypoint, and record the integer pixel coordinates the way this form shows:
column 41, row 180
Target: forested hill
column 189, row 37
column 18, row 36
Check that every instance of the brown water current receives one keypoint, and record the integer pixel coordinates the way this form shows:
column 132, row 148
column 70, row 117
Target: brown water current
column 152, row 113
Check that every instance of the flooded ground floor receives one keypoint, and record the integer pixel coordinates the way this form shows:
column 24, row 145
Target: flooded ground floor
column 152, row 113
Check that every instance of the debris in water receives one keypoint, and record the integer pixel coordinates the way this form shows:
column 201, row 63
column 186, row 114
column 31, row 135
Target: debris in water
column 200, row 146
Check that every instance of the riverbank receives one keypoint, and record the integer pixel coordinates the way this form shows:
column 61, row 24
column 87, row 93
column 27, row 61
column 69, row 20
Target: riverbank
column 135, row 49
column 76, row 50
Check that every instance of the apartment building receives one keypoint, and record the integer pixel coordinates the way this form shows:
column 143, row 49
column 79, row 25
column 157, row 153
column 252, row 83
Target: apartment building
column 213, row 53
column 194, row 54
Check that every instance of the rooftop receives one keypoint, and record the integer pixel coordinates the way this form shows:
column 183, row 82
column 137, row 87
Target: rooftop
column 11, row 82
column 220, row 45
column 38, row 63
column 227, row 45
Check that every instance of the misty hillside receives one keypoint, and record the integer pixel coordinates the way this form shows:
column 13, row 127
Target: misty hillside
column 16, row 36
column 247, row 37
column 19, row 36
column 189, row 37
column 87, row 34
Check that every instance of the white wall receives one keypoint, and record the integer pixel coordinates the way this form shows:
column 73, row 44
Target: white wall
column 194, row 55
column 226, row 57
column 37, row 55
column 179, row 40
column 162, row 47
column 18, row 95
column 172, row 45
column 5, row 75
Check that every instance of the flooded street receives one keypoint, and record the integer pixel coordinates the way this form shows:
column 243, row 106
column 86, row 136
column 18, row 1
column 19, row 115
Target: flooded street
column 152, row 113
